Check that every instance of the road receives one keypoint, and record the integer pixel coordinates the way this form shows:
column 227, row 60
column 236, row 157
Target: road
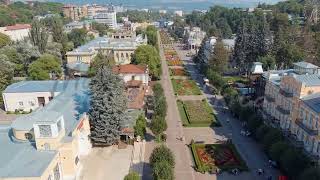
column 249, row 150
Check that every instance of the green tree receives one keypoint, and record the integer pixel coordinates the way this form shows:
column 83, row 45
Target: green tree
column 39, row 35
column 108, row 106
column 162, row 171
column 100, row 60
column 273, row 136
column 261, row 131
column 101, row 28
column 46, row 67
column 269, row 62
column 310, row 174
column 293, row 162
column 78, row 37
column 140, row 127
column 220, row 57
column 132, row 176
column 158, row 126
column 152, row 36
column 4, row 40
column 160, row 103
column 148, row 55
column 6, row 73
column 277, row 150
column 162, row 154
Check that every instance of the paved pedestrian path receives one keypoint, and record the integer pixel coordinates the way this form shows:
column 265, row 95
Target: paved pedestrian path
column 183, row 168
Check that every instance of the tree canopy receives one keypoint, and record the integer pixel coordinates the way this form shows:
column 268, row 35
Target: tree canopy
column 45, row 68
column 107, row 107
column 148, row 55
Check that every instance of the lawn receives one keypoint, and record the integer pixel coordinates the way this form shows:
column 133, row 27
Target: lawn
column 197, row 114
column 184, row 87
column 178, row 72
column 209, row 157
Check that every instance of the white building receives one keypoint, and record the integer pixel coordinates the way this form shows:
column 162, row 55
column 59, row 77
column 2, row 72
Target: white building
column 30, row 95
column 195, row 36
column 108, row 18
column 16, row 32
column 131, row 72
column 178, row 13
column 162, row 11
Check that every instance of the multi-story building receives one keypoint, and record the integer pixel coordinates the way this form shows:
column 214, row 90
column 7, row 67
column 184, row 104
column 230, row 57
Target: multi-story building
column 75, row 12
column 107, row 17
column 48, row 143
column 194, row 38
column 292, row 101
column 16, row 32
column 77, row 25
column 121, row 49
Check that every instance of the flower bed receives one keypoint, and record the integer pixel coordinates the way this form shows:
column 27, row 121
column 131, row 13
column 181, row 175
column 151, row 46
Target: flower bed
column 183, row 87
column 175, row 63
column 165, row 38
column 211, row 156
column 178, row 72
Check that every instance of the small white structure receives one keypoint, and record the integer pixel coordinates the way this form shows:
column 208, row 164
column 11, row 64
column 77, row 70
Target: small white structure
column 162, row 11
column 178, row 13
column 30, row 95
column 16, row 32
column 131, row 73
column 257, row 68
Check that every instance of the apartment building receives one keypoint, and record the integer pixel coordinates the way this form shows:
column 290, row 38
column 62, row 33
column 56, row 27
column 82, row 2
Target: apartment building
column 292, row 101
column 75, row 12
column 48, row 143
column 107, row 17
column 121, row 49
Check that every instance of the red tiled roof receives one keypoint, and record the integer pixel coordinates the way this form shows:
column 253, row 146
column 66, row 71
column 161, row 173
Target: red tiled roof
column 128, row 69
column 17, row 27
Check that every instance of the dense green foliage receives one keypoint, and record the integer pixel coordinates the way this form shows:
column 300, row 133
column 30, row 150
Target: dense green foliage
column 44, row 68
column 19, row 12
column 78, row 37
column 39, row 35
column 6, row 73
column 148, row 55
column 162, row 163
column 152, row 36
column 141, row 16
column 220, row 58
column 101, row 28
column 4, row 40
column 132, row 176
column 140, row 127
column 107, row 107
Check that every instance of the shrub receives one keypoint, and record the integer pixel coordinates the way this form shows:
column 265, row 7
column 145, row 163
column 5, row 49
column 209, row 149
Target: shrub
column 162, row 171
column 132, row 176
column 161, row 154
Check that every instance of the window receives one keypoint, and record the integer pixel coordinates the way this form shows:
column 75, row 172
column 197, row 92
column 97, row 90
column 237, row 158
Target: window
column 20, row 103
column 59, row 125
column 28, row 136
column 76, row 160
column 45, row 130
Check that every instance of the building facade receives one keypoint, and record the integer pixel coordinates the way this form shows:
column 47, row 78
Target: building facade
column 16, row 32
column 292, row 102
column 108, row 18
column 121, row 49
column 49, row 142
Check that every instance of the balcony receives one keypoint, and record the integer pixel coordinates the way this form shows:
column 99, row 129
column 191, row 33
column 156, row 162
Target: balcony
column 285, row 93
column 270, row 99
column 308, row 130
column 283, row 111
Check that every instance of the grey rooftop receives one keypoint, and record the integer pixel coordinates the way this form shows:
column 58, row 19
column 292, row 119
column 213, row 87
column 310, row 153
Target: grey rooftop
column 313, row 101
column 21, row 159
column 40, row 86
column 306, row 65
